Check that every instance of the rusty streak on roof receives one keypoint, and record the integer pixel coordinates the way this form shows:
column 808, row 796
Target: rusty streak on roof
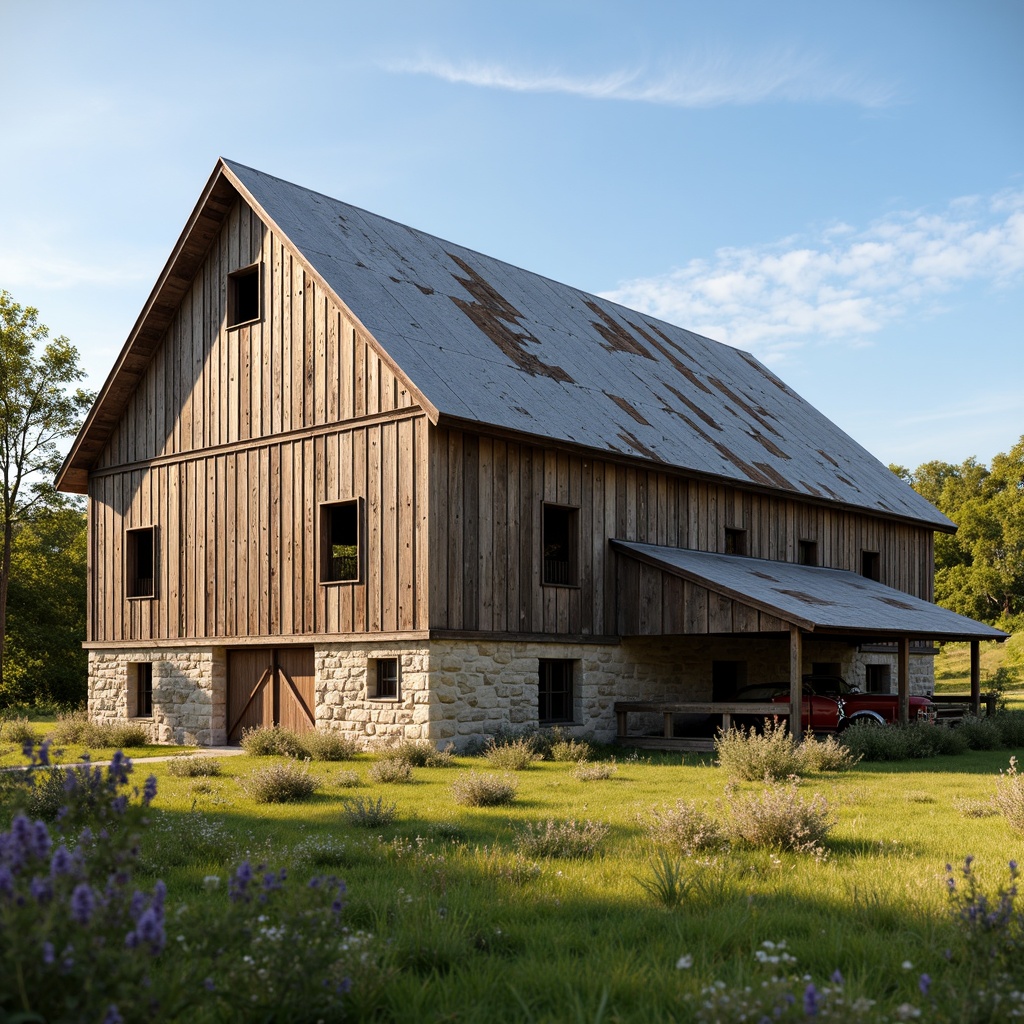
column 810, row 597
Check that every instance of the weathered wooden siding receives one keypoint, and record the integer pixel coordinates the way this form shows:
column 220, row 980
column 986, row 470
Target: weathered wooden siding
column 209, row 386
column 486, row 500
column 236, row 538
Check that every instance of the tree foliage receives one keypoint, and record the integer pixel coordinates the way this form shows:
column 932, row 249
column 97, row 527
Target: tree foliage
column 39, row 408
column 979, row 570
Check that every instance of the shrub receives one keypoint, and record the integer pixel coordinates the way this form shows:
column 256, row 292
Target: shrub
column 1011, row 728
column 17, row 730
column 191, row 766
column 1009, row 798
column 123, row 735
column 279, row 784
column 347, row 780
column 512, row 755
column 474, row 789
column 827, row 755
column 270, row 740
column 568, row 839
column 780, row 818
column 750, row 755
column 685, row 828
column 423, row 754
column 367, row 813
column 391, row 769
column 327, row 745
column 901, row 742
column 571, row 750
column 69, row 728
column 980, row 733
column 594, row 771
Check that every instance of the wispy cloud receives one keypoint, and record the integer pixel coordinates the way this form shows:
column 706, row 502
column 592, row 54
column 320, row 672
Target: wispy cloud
column 844, row 283
column 25, row 265
column 691, row 81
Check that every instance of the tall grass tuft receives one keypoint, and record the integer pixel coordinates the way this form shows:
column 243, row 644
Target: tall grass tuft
column 367, row 813
column 327, row 745
column 748, row 755
column 423, row 754
column 279, row 783
column 685, row 828
column 1009, row 798
column 390, row 769
column 593, row 771
column 477, row 789
column 827, row 755
column 779, row 818
column 512, row 755
column 191, row 766
column 566, row 839
column 271, row 740
column 74, row 728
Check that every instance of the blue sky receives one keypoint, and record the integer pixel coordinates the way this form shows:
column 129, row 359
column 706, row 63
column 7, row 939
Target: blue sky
column 836, row 187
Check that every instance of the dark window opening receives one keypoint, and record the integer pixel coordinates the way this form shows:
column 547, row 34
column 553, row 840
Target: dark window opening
column 877, row 678
column 808, row 553
column 824, row 669
column 339, row 525
column 141, row 563
column 387, row 677
column 727, row 678
column 244, row 296
column 144, row 690
column 554, row 693
column 559, row 542
column 871, row 565
column 735, row 542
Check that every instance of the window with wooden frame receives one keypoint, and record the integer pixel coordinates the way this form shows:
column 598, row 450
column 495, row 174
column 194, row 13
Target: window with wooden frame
column 555, row 691
column 871, row 565
column 735, row 541
column 244, row 296
column 384, row 677
column 140, row 562
column 340, row 556
column 877, row 678
column 807, row 553
column 560, row 540
column 140, row 694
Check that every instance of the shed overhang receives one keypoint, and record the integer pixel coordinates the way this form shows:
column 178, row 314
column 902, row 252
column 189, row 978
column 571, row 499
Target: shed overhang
column 811, row 598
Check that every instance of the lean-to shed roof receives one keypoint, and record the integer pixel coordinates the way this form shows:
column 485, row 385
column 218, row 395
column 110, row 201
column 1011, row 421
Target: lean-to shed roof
column 487, row 344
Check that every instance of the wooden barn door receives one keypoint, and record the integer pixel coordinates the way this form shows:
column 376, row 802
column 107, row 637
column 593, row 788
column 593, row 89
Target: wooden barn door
column 270, row 686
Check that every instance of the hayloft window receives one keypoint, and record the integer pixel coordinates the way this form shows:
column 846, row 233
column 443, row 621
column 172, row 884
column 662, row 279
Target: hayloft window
column 141, row 690
column 560, row 544
column 140, row 562
column 554, row 691
column 871, row 565
column 244, row 296
column 808, row 552
column 735, row 542
column 339, row 536
column 385, row 678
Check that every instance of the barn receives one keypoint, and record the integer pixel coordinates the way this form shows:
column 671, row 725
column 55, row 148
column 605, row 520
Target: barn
column 347, row 475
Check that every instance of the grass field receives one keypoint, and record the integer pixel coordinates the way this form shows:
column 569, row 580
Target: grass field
column 465, row 927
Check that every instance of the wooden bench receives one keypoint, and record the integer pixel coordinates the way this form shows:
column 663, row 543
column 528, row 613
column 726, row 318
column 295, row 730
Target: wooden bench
column 669, row 709
column 952, row 707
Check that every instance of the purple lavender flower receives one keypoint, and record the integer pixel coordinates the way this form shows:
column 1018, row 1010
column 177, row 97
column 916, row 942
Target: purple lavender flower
column 61, row 863
column 239, row 882
column 209, row 985
column 6, row 881
column 48, row 953
column 837, row 977
column 924, row 983
column 811, row 1000
column 149, row 791
column 41, row 890
column 113, row 1015
column 83, row 902
column 40, row 840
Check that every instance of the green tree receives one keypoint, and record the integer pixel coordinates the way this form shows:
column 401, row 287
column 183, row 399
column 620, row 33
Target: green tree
column 46, row 613
column 39, row 408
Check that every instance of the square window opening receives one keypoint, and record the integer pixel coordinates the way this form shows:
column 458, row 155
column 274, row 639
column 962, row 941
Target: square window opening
column 808, row 552
column 871, row 565
column 727, row 679
column 384, row 676
column 560, row 544
column 877, row 678
column 735, row 542
column 140, row 563
column 339, row 533
column 244, row 296
column 555, row 691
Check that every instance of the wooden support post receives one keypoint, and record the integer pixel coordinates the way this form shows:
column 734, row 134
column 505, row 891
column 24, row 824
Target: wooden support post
column 903, row 684
column 667, row 729
column 796, row 683
column 975, row 678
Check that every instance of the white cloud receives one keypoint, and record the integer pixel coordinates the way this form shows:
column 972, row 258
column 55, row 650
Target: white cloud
column 692, row 81
column 841, row 285
column 46, row 269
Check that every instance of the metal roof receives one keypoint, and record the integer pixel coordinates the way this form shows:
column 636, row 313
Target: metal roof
column 813, row 598
column 495, row 345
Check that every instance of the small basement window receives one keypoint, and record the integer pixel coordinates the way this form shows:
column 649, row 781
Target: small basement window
column 339, row 538
column 141, row 690
column 735, row 542
column 808, row 553
column 385, row 674
column 554, row 691
column 244, row 296
column 140, row 563
column 871, row 565
column 560, row 544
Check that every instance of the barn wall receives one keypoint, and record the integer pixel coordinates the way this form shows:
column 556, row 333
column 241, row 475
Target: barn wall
column 486, row 498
